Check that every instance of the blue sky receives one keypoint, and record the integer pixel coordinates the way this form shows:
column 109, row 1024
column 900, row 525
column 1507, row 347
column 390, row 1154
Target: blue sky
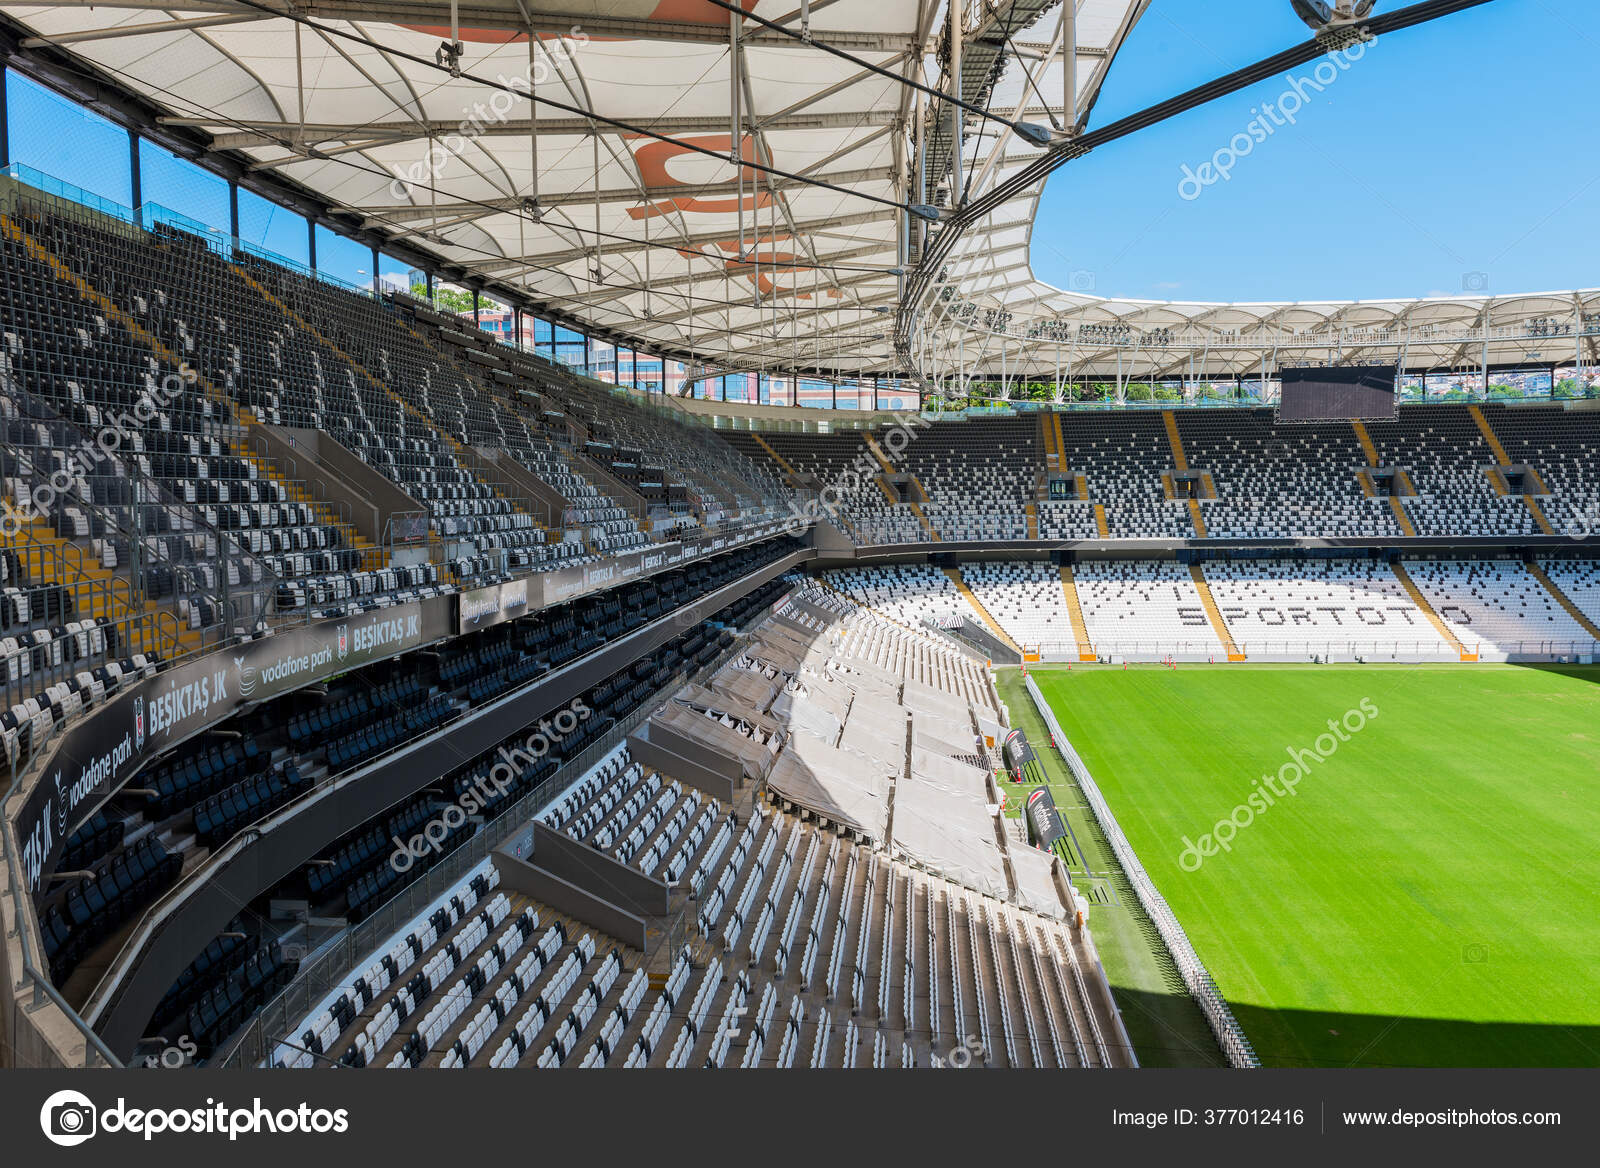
column 1453, row 156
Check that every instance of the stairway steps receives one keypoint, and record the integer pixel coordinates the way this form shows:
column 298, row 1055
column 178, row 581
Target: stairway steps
column 1421, row 601
column 1080, row 629
column 1214, row 614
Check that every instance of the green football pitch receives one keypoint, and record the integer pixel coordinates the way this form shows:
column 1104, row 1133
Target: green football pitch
column 1425, row 892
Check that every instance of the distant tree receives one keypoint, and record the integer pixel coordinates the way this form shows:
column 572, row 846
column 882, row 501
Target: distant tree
column 455, row 299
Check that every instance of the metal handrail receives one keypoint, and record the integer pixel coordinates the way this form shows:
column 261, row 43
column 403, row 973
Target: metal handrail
column 124, row 520
column 249, row 1047
column 134, row 634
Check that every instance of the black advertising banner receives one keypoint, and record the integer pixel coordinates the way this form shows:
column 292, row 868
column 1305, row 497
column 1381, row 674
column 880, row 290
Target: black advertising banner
column 99, row 753
column 103, row 750
column 1018, row 753
column 483, row 608
column 1044, row 821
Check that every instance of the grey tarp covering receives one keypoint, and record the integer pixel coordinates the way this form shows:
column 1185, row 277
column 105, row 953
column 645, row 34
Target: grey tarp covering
column 801, row 712
column 704, row 698
column 820, row 690
column 777, row 651
column 944, row 824
column 754, row 758
column 939, row 736
column 878, row 732
column 877, row 727
column 839, row 784
column 924, row 699
column 750, row 689
column 1036, row 889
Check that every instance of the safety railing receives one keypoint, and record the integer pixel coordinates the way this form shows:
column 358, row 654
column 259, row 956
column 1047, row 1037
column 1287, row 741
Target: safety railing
column 1325, row 652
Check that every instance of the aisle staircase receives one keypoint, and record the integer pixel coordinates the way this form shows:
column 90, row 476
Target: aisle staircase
column 1181, row 462
column 1368, row 448
column 98, row 590
column 1080, row 630
column 888, row 469
column 1174, row 440
column 1421, row 601
column 782, row 462
column 371, row 557
column 1563, row 600
column 1214, row 614
column 405, row 406
column 1503, row 460
column 977, row 607
column 1047, row 435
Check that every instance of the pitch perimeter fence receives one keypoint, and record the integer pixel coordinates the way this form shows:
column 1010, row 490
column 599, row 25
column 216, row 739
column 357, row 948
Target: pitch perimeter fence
column 1230, row 1037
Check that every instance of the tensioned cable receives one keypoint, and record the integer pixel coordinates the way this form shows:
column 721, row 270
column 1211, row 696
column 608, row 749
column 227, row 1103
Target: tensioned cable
column 573, row 300
column 616, row 123
column 1024, row 130
column 918, row 281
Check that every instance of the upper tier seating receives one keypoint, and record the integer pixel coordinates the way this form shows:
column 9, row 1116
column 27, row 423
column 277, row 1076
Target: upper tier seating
column 1288, row 480
column 1270, row 480
column 1121, row 456
column 978, row 474
column 845, row 473
column 1446, row 456
column 1563, row 447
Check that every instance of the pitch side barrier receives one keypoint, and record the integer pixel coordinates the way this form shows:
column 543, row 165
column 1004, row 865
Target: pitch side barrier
column 1235, row 1046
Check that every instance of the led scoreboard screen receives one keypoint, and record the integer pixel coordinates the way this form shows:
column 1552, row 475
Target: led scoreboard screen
column 1337, row 392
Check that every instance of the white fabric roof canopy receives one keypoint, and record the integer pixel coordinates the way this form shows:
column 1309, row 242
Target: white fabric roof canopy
column 340, row 106
column 656, row 241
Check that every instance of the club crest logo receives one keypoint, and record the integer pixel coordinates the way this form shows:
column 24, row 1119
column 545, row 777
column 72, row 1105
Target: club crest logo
column 343, row 647
column 61, row 806
column 247, row 677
